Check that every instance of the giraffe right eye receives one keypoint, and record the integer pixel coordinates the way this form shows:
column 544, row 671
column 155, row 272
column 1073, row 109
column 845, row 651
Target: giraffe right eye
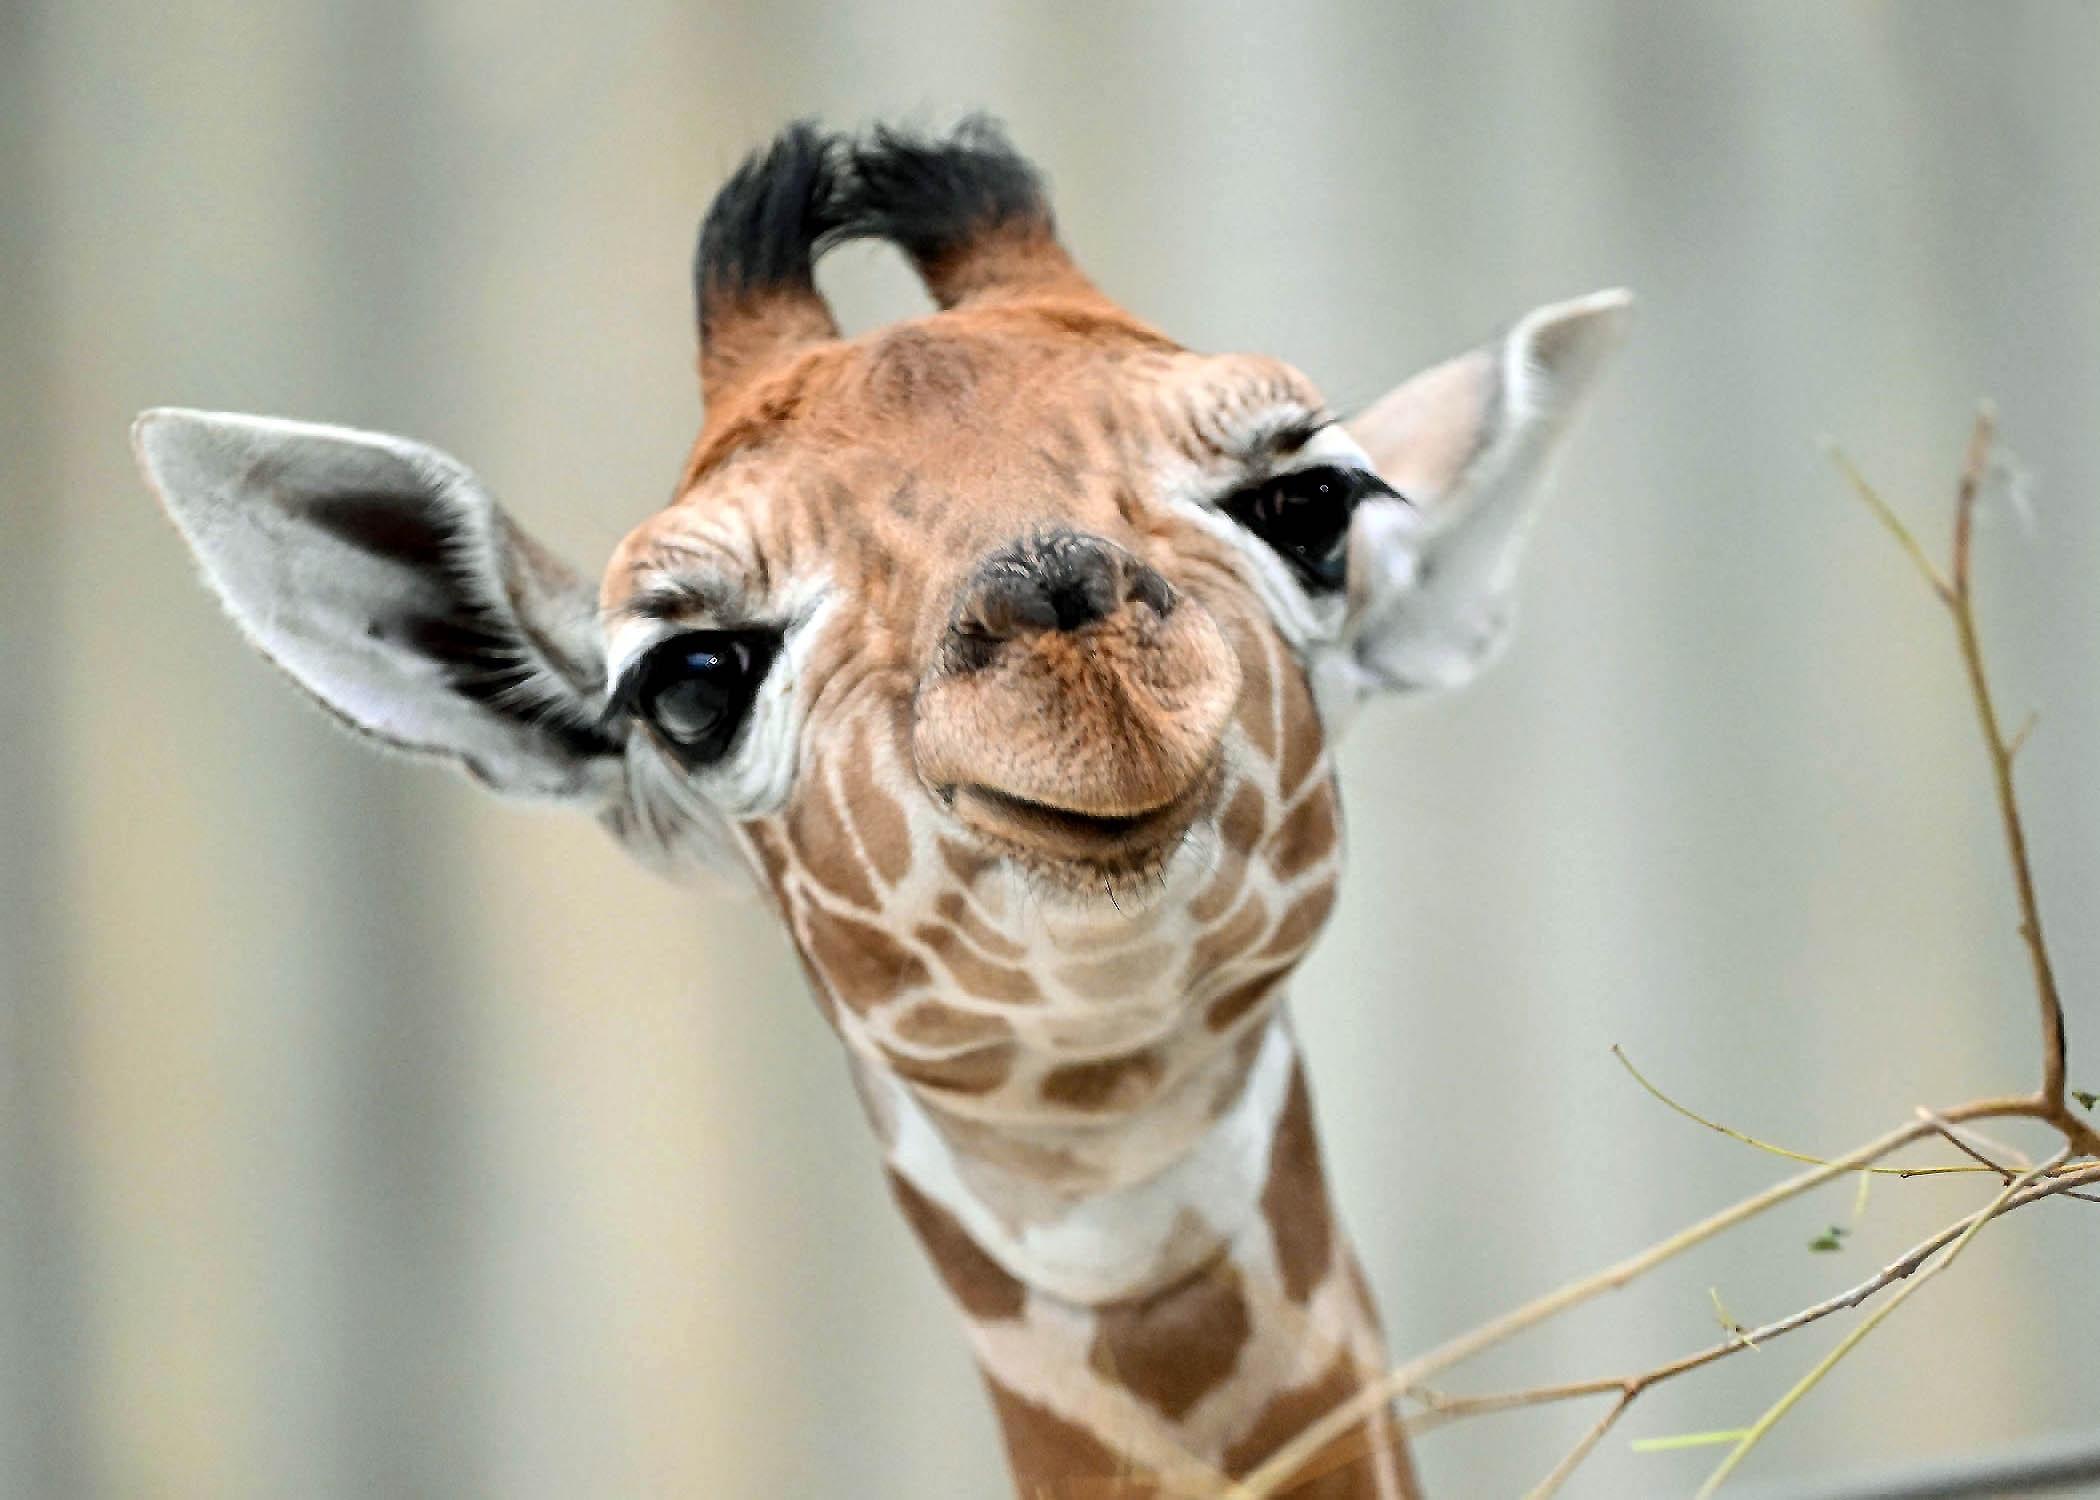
column 695, row 690
column 1304, row 517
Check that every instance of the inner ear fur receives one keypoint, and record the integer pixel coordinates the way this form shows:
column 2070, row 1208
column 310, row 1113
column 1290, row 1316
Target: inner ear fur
column 384, row 579
column 1467, row 442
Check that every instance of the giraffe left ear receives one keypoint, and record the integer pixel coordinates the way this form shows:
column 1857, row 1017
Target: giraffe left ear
column 388, row 583
column 1431, row 579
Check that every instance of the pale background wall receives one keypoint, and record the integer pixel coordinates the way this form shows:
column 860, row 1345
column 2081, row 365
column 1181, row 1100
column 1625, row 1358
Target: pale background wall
column 360, row 1137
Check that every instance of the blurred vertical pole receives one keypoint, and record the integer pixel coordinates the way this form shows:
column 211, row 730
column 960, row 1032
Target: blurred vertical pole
column 40, row 1447
column 378, row 147
column 276, row 1095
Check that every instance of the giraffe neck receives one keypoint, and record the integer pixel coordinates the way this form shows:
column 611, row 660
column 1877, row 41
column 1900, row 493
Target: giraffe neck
column 1207, row 1306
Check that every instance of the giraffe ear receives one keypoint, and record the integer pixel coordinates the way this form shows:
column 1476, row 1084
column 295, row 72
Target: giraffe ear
column 385, row 580
column 1431, row 579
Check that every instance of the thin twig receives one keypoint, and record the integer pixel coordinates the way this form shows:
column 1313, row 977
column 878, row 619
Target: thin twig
column 1954, row 1139
column 1961, row 601
column 1888, row 517
column 1956, row 590
column 2018, row 742
column 1962, row 1139
column 2004, row 1149
column 1551, row 1484
column 1768, row 1147
column 1867, row 1325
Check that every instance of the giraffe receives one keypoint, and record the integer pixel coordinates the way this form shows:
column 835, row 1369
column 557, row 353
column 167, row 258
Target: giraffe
column 1001, row 652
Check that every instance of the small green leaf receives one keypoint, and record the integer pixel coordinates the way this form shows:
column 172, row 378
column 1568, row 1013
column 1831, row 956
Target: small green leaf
column 1830, row 1239
column 2086, row 1097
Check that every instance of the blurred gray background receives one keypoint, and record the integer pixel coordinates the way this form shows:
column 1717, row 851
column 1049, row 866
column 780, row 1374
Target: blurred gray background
column 359, row 1136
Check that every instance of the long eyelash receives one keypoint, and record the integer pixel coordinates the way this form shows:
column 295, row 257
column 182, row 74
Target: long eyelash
column 670, row 599
column 1291, row 438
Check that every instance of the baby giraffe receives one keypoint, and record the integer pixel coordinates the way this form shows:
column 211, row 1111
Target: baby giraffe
column 1001, row 650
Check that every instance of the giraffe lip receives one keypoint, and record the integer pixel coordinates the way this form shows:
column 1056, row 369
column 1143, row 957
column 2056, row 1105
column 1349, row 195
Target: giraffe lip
column 1043, row 828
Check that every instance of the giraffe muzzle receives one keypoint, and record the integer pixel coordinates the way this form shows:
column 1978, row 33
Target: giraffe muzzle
column 1076, row 704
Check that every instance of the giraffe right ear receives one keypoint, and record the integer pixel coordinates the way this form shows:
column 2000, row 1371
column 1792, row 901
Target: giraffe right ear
column 1432, row 578
column 385, row 580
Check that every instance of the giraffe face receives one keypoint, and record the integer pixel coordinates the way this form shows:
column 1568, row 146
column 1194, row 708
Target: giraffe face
column 994, row 581
column 1031, row 767
column 1005, row 645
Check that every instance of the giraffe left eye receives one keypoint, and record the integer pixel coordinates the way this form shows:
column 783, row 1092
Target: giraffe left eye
column 695, row 689
column 1304, row 517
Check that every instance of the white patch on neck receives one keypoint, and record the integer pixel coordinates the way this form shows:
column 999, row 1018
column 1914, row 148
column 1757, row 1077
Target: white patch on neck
column 1124, row 1241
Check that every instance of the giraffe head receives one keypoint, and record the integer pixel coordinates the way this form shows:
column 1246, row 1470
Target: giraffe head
column 965, row 636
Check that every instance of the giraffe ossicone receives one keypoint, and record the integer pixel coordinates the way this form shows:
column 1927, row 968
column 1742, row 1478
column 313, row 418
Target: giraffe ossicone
column 1002, row 650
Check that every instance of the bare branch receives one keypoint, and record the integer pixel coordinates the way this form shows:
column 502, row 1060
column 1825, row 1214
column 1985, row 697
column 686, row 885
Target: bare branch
column 2044, row 1184
column 1781, row 1151
column 1963, row 1146
column 1974, row 466
column 1905, row 538
column 1551, row 1484
column 1852, row 1340
column 1288, row 1459
column 2018, row 742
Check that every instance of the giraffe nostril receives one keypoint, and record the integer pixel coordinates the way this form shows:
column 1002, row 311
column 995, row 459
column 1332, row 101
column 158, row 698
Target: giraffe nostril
column 1081, row 601
column 1152, row 590
column 1057, row 581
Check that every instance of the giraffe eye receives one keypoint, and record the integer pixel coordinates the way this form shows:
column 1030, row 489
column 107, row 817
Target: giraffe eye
column 695, row 689
column 1304, row 517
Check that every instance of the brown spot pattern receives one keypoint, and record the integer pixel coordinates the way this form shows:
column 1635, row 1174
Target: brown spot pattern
column 1172, row 1348
column 929, row 1023
column 1229, row 941
column 983, row 1287
column 1307, row 835
column 1239, row 827
column 860, row 965
column 1213, row 899
column 1304, row 746
column 1236, row 1002
column 1302, row 922
column 980, row 976
column 1060, row 1460
column 1107, row 1083
column 954, row 908
column 1294, row 1201
column 884, row 834
column 824, row 847
column 1257, row 715
column 978, row 1071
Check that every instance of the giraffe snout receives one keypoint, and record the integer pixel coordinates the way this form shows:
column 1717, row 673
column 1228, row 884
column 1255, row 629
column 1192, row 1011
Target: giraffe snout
column 1076, row 705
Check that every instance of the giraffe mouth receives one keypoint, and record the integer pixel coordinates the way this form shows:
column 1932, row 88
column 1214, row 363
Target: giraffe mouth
column 1114, row 842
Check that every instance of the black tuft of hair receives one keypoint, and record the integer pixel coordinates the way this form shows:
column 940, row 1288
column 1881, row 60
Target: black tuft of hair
column 767, row 223
column 794, row 199
column 929, row 196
